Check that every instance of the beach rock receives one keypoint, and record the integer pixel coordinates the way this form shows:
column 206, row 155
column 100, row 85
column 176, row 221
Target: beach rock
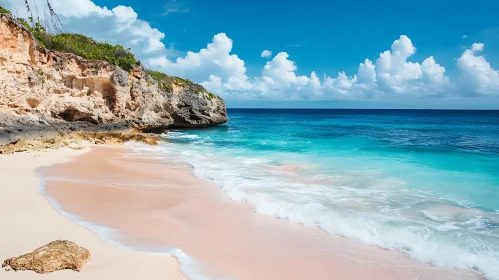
column 55, row 87
column 30, row 132
column 57, row 255
column 195, row 108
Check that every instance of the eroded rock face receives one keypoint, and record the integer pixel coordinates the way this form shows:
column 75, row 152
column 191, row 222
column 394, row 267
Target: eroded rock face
column 31, row 132
column 192, row 111
column 64, row 87
column 57, row 255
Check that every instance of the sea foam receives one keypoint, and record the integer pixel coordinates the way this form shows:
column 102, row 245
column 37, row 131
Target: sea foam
column 368, row 207
column 189, row 266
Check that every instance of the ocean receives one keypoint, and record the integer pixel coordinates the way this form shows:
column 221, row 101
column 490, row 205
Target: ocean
column 425, row 182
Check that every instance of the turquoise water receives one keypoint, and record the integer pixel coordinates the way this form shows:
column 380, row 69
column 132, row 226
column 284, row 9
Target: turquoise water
column 422, row 182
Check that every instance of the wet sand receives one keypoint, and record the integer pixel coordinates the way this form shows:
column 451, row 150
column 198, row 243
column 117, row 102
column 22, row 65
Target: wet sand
column 156, row 205
column 28, row 222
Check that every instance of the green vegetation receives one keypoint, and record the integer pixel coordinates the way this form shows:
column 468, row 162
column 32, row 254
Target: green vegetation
column 162, row 79
column 88, row 48
column 211, row 95
column 4, row 11
column 167, row 82
column 187, row 83
column 40, row 72
column 78, row 44
column 85, row 47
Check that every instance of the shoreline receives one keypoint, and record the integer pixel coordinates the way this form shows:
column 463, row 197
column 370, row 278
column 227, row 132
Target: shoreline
column 122, row 173
column 29, row 221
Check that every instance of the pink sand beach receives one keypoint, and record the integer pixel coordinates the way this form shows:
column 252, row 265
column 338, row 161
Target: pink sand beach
column 155, row 206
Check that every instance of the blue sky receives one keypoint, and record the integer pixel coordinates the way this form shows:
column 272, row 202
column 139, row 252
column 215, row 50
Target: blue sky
column 445, row 54
column 327, row 36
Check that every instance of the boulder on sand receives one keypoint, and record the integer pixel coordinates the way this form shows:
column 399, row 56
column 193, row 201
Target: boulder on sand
column 57, row 255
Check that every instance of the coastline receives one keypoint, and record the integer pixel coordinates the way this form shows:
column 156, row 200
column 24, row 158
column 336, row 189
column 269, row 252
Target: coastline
column 29, row 221
column 276, row 194
column 195, row 216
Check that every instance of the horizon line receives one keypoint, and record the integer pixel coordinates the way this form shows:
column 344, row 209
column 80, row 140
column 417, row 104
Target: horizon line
column 413, row 109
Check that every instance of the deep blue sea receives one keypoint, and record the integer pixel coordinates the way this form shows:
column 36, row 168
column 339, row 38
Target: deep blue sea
column 425, row 182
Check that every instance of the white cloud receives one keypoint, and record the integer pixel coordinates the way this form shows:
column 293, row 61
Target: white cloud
column 70, row 9
column 392, row 74
column 266, row 53
column 282, row 70
column 214, row 84
column 174, row 7
column 125, row 15
column 477, row 47
column 434, row 73
column 476, row 74
column 279, row 80
column 224, row 73
column 175, row 10
column 367, row 73
column 315, row 83
column 398, row 75
column 340, row 85
column 78, row 9
column 214, row 64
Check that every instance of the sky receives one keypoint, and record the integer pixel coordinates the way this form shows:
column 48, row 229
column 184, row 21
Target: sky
column 437, row 54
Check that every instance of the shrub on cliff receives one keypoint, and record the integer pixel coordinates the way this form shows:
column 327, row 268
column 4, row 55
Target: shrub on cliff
column 4, row 11
column 163, row 80
column 166, row 82
column 88, row 48
column 84, row 46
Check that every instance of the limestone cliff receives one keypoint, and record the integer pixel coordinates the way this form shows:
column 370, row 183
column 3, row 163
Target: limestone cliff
column 42, row 90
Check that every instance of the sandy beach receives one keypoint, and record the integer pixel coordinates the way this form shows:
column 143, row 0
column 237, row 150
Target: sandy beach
column 155, row 206
column 140, row 141
column 29, row 221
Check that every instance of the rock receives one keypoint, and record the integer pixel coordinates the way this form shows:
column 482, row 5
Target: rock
column 31, row 132
column 57, row 255
column 196, row 108
column 61, row 87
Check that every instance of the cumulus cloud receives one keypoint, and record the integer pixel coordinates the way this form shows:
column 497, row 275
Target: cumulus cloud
column 477, row 47
column 279, row 80
column 77, row 9
column 434, row 74
column 398, row 75
column 266, row 53
column 281, row 71
column 341, row 85
column 215, row 64
column 367, row 73
column 214, row 83
column 392, row 73
column 476, row 74
column 225, row 73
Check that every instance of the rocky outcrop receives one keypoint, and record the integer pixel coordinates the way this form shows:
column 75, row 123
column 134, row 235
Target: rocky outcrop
column 191, row 111
column 57, row 255
column 50, row 88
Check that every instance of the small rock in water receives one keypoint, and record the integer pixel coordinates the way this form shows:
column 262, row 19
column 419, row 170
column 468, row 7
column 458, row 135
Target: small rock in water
column 57, row 255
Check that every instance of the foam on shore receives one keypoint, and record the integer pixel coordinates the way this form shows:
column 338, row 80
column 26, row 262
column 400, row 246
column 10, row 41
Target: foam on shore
column 176, row 210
